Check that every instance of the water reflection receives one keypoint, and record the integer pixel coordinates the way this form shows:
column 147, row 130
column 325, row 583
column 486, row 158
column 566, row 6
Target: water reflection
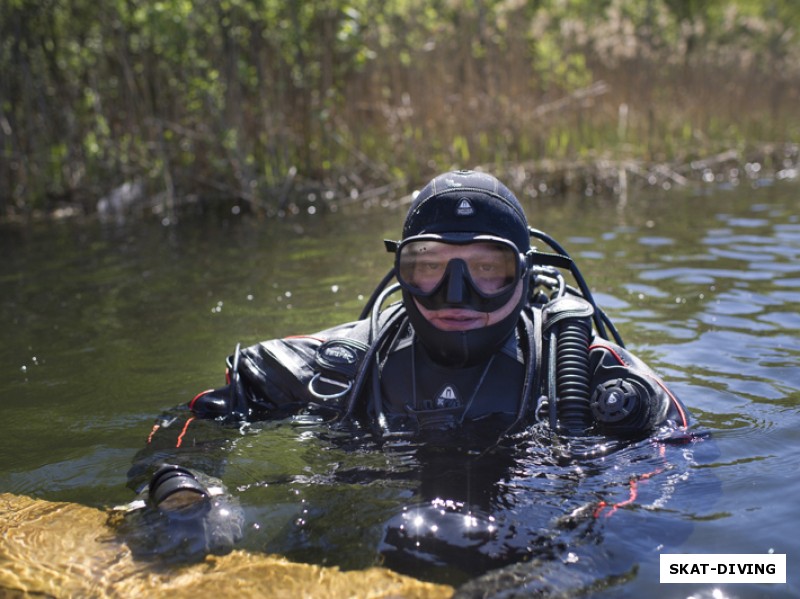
column 451, row 513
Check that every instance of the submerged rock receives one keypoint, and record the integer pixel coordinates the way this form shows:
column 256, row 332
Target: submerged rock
column 70, row 550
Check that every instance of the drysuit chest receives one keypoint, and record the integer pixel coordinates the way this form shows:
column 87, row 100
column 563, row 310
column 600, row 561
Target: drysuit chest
column 416, row 389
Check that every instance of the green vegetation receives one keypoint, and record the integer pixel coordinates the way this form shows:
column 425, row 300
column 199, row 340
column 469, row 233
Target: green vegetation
column 264, row 101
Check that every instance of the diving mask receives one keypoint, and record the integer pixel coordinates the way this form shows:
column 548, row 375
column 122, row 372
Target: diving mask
column 479, row 272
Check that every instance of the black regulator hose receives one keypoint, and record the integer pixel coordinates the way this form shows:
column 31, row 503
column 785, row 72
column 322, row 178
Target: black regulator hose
column 600, row 319
column 376, row 295
column 572, row 375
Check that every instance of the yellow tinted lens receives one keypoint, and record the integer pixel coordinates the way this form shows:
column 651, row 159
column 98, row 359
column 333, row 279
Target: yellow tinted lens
column 492, row 266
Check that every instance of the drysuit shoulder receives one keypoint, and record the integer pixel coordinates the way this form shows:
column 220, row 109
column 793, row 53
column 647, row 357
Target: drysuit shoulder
column 629, row 399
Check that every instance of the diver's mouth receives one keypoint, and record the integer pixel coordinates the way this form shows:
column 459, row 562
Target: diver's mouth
column 457, row 319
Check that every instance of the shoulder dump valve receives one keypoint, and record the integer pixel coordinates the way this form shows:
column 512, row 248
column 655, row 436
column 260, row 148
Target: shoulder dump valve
column 620, row 403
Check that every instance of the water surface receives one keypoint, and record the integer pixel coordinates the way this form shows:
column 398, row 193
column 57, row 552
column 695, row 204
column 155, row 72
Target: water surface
column 106, row 325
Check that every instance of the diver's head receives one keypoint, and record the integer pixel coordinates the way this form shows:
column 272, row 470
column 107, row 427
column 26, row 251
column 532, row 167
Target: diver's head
column 462, row 263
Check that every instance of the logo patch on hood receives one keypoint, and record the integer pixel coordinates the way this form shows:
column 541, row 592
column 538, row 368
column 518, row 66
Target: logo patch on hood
column 464, row 208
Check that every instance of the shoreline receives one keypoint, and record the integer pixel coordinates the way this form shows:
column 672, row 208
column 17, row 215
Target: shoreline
column 763, row 164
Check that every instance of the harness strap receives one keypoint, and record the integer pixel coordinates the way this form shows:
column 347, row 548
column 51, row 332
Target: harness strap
column 393, row 323
column 532, row 328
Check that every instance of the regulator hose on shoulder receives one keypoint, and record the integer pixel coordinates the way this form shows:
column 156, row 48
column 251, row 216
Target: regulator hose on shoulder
column 569, row 322
column 572, row 375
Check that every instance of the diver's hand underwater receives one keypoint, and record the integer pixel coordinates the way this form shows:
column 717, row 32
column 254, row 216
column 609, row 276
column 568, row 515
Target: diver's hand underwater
column 183, row 517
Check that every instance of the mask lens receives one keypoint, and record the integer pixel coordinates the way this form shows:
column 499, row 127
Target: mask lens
column 492, row 266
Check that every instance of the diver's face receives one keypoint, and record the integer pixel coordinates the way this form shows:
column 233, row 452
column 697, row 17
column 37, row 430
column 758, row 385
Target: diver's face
column 466, row 319
column 461, row 286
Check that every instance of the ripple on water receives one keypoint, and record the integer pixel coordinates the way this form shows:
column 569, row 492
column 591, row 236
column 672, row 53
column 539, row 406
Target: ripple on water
column 703, row 275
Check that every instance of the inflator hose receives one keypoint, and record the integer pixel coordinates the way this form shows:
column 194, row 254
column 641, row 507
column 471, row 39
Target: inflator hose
column 572, row 375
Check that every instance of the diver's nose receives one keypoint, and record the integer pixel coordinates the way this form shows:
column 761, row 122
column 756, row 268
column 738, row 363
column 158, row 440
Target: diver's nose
column 457, row 292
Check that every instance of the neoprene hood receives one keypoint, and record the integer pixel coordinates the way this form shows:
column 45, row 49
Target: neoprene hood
column 468, row 202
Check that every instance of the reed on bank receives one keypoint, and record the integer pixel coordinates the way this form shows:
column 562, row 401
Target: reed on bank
column 264, row 104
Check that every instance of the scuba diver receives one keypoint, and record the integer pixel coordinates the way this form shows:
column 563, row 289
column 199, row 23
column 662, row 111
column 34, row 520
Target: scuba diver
column 488, row 337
